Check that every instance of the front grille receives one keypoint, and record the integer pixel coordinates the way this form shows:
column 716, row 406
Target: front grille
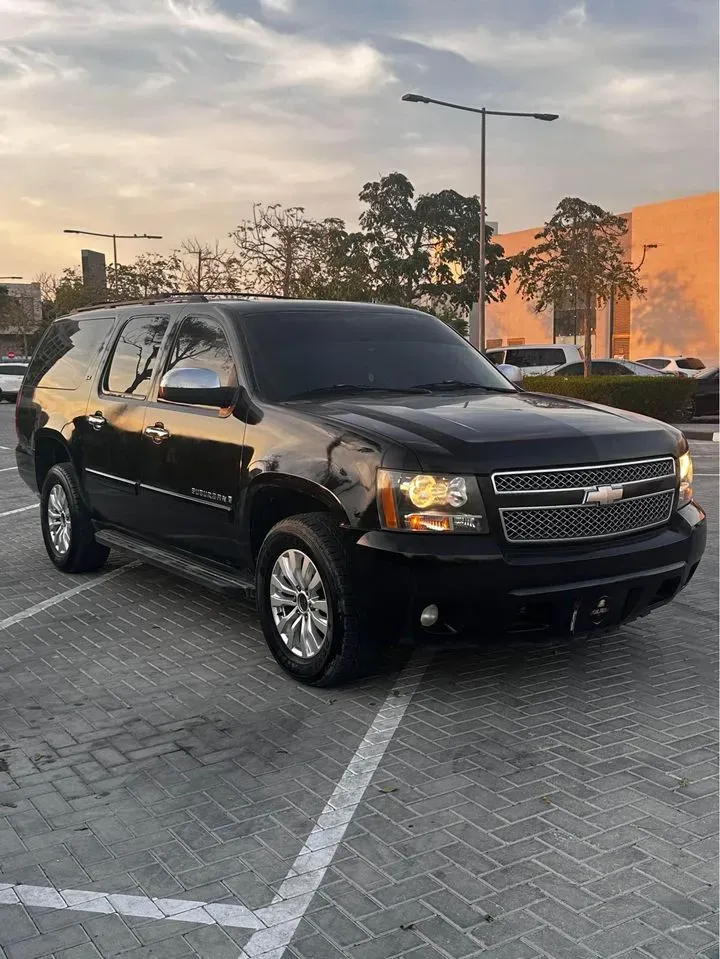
column 550, row 524
column 581, row 477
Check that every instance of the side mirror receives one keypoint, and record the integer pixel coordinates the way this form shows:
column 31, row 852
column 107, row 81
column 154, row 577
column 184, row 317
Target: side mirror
column 195, row 386
column 512, row 373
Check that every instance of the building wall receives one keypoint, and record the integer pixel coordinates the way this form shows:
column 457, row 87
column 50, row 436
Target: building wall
column 679, row 313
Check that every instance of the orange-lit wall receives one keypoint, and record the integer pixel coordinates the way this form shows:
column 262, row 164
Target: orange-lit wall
column 679, row 313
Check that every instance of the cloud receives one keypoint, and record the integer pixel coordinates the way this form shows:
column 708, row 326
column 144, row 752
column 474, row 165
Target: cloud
column 277, row 6
column 173, row 116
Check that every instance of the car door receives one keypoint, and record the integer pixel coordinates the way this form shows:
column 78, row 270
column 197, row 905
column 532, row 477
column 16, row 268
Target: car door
column 110, row 439
column 191, row 450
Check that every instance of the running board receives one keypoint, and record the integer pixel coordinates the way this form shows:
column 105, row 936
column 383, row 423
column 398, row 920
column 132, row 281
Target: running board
column 208, row 574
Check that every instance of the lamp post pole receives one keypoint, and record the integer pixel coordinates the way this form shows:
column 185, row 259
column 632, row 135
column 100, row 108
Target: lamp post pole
column 484, row 113
column 115, row 237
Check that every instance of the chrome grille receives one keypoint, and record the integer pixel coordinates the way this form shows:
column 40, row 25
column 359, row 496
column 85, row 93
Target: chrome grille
column 550, row 524
column 580, row 477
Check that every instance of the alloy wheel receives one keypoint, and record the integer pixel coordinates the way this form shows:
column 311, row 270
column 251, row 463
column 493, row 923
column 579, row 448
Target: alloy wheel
column 58, row 520
column 299, row 603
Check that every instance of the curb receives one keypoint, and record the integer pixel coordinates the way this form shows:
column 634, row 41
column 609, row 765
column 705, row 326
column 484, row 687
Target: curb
column 694, row 434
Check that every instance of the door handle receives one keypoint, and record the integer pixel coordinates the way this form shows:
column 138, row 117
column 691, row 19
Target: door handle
column 96, row 420
column 157, row 433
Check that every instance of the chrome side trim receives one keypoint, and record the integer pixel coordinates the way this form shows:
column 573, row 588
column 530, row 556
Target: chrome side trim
column 190, row 499
column 110, row 476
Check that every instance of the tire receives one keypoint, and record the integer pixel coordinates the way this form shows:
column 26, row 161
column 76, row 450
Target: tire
column 345, row 651
column 688, row 411
column 62, row 509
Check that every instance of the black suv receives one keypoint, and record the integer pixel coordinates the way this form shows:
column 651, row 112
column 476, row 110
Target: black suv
column 361, row 468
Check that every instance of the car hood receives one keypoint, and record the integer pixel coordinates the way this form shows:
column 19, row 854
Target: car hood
column 483, row 432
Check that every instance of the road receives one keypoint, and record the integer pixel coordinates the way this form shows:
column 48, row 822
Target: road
column 165, row 791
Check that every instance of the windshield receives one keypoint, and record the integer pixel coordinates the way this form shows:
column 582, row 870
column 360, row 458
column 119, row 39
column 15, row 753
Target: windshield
column 297, row 352
column 642, row 369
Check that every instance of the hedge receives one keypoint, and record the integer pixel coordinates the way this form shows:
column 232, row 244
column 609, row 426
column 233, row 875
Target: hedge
column 663, row 397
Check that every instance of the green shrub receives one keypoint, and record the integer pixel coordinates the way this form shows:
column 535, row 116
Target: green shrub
column 662, row 397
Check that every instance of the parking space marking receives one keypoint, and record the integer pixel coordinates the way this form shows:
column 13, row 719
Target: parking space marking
column 176, row 910
column 20, row 509
column 286, row 911
column 66, row 594
column 273, row 925
column 6, row 469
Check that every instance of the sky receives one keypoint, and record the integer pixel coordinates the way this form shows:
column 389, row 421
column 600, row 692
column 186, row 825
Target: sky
column 174, row 116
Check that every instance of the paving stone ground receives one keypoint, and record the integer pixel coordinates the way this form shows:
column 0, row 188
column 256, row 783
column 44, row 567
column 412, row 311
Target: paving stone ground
column 555, row 800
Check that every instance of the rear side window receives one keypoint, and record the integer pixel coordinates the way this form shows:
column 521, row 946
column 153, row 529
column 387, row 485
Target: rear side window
column 66, row 352
column 495, row 356
column 133, row 360
column 572, row 369
column 691, row 363
column 535, row 357
column 657, row 364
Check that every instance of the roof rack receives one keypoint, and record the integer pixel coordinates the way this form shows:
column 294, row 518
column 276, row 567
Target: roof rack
column 190, row 297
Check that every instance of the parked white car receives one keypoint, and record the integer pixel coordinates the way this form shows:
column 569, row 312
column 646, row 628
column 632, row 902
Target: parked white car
column 536, row 359
column 677, row 365
column 11, row 377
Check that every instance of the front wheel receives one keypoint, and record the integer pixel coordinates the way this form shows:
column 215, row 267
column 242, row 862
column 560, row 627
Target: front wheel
column 307, row 602
column 66, row 526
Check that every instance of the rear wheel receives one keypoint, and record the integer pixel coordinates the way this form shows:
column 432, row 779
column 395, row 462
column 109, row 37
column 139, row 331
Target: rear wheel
column 66, row 526
column 307, row 602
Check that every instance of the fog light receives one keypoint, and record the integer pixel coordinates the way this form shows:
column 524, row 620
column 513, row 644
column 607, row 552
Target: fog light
column 429, row 615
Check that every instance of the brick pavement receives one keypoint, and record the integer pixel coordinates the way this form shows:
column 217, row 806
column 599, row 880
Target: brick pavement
column 555, row 800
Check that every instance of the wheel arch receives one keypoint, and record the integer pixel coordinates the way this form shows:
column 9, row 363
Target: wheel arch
column 272, row 497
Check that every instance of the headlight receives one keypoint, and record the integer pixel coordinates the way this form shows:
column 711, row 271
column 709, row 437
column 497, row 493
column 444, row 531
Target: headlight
column 430, row 503
column 685, row 469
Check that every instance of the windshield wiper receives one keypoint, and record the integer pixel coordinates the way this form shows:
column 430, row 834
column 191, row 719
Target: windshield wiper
column 354, row 388
column 443, row 385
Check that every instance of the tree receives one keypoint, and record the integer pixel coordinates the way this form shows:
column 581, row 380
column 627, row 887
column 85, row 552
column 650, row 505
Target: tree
column 580, row 254
column 277, row 247
column 203, row 268
column 340, row 268
column 427, row 250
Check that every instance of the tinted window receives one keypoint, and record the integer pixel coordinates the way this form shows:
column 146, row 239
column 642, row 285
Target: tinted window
column 535, row 357
column 495, row 356
column 690, row 363
column 657, row 364
column 65, row 353
column 9, row 369
column 201, row 342
column 295, row 351
column 609, row 369
column 133, row 359
column 572, row 369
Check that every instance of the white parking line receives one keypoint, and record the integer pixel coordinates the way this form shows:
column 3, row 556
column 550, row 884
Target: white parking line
column 6, row 469
column 61, row 597
column 307, row 872
column 275, row 924
column 80, row 900
column 20, row 509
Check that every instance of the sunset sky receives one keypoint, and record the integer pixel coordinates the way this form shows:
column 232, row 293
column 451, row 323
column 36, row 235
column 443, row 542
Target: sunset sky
column 173, row 116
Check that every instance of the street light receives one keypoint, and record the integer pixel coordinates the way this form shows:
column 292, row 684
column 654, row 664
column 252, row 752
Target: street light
column 548, row 117
column 115, row 237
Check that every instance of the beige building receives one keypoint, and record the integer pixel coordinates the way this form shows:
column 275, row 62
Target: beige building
column 679, row 315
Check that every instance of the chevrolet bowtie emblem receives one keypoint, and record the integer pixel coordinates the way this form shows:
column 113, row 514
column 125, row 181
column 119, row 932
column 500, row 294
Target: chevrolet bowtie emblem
column 604, row 495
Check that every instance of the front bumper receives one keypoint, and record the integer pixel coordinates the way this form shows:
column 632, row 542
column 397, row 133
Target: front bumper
column 482, row 587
